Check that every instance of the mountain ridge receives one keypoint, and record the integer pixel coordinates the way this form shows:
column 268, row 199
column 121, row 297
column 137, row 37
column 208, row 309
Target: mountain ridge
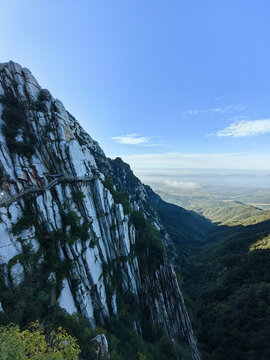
column 67, row 234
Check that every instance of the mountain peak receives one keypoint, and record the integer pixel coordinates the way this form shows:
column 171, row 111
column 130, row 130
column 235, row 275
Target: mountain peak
column 67, row 229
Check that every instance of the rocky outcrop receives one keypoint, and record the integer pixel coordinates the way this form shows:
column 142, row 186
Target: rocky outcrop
column 55, row 201
column 167, row 308
column 101, row 347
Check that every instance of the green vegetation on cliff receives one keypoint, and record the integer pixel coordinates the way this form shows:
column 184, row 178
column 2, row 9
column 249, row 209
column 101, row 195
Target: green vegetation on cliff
column 15, row 128
column 187, row 229
column 34, row 343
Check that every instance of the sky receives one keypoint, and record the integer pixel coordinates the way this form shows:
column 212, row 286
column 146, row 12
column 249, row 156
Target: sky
column 163, row 84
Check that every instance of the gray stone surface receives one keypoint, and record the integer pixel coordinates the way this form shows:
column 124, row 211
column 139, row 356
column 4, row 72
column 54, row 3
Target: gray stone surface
column 67, row 160
column 101, row 347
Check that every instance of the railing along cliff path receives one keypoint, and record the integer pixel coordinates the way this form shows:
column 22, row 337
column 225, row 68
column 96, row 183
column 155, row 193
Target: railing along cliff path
column 35, row 189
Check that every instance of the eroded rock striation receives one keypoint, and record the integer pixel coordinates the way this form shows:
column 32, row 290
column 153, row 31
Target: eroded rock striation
column 63, row 216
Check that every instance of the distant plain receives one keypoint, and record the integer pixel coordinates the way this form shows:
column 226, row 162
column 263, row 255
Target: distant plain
column 194, row 188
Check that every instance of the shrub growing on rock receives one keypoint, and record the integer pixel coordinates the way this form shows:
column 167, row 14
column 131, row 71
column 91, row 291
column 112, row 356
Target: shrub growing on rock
column 35, row 344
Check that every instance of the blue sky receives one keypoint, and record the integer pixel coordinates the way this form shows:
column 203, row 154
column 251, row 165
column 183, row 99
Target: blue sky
column 160, row 83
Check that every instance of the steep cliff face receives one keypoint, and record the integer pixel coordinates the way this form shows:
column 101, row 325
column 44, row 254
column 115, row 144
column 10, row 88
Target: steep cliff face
column 65, row 227
column 184, row 232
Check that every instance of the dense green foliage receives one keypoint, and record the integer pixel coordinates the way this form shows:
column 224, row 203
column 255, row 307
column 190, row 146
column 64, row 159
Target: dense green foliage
column 36, row 297
column 263, row 243
column 77, row 230
column 235, row 213
column 77, row 196
column 15, row 125
column 149, row 246
column 227, row 278
column 43, row 96
column 126, row 344
column 187, row 229
column 219, row 211
column 34, row 343
column 119, row 198
column 38, row 290
column 229, row 281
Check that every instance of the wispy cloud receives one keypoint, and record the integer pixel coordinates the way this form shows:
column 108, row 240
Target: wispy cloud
column 135, row 139
column 245, row 128
column 217, row 110
column 238, row 118
column 131, row 139
column 222, row 97
column 186, row 185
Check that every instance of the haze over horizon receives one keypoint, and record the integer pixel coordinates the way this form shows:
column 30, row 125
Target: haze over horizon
column 130, row 74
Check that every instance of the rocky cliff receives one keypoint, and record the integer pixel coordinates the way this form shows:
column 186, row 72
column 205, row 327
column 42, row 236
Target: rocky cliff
column 67, row 231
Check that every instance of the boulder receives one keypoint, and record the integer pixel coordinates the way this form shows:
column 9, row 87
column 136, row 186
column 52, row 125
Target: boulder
column 101, row 348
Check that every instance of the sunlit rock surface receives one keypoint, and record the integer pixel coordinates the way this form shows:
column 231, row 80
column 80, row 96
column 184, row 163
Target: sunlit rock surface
column 38, row 206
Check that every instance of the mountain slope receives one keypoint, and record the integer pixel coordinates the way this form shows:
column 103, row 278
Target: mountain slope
column 71, row 244
column 186, row 229
column 229, row 283
column 219, row 211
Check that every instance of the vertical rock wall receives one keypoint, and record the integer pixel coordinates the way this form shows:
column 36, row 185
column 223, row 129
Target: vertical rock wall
column 53, row 197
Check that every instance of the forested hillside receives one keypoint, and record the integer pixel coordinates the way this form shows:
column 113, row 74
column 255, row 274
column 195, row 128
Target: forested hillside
column 218, row 211
column 229, row 284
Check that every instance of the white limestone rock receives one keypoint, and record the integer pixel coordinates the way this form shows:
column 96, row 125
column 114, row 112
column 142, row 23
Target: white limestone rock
column 114, row 304
column 66, row 300
column 61, row 152
column 101, row 347
column 16, row 274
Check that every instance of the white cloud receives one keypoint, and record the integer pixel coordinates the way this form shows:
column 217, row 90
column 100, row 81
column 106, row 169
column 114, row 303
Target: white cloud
column 245, row 160
column 186, row 185
column 131, row 139
column 221, row 110
column 193, row 112
column 222, row 97
column 238, row 118
column 245, row 128
column 135, row 139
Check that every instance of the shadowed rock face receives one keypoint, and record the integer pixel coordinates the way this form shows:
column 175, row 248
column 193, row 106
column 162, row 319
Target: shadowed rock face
column 54, row 200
